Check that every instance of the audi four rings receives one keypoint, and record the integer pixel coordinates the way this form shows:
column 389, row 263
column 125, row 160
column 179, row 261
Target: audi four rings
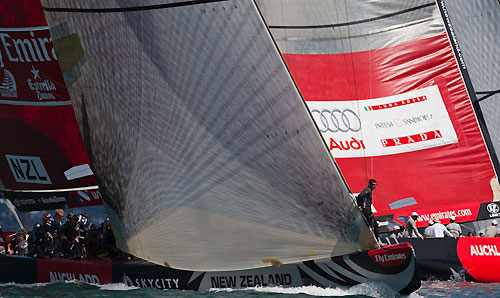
column 338, row 120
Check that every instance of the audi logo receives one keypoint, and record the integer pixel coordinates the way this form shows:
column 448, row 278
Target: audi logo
column 337, row 120
column 492, row 208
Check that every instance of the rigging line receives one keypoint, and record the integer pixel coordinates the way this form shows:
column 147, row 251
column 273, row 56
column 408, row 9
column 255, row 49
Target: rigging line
column 132, row 8
column 488, row 94
column 355, row 22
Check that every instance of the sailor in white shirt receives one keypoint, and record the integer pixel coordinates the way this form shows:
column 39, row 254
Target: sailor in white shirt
column 427, row 231
column 492, row 230
column 454, row 228
column 438, row 230
column 395, row 233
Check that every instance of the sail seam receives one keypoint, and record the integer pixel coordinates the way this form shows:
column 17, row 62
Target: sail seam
column 387, row 29
column 132, row 8
column 354, row 22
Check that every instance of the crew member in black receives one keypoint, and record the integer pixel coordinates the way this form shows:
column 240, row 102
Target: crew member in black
column 58, row 216
column 44, row 240
column 18, row 244
column 71, row 238
column 57, row 226
column 84, row 223
column 108, row 238
column 92, row 242
column 364, row 201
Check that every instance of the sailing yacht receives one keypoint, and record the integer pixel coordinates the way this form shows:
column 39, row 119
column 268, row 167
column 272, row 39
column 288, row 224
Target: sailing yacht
column 206, row 157
column 389, row 88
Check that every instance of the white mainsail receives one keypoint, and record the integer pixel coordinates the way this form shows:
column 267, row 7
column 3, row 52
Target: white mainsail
column 203, row 148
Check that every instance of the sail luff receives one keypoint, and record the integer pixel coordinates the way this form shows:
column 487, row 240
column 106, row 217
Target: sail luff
column 468, row 84
column 476, row 27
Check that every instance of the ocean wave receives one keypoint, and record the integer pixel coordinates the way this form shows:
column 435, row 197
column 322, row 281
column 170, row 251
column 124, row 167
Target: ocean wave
column 376, row 290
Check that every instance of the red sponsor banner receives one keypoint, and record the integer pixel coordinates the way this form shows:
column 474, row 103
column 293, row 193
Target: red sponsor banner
column 434, row 179
column 480, row 256
column 96, row 272
column 41, row 138
column 391, row 255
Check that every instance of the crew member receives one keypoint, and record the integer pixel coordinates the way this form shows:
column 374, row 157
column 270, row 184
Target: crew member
column 58, row 216
column 364, row 201
column 427, row 231
column 92, row 242
column 395, row 232
column 491, row 231
column 18, row 244
column 44, row 241
column 71, row 238
column 438, row 230
column 454, row 228
column 411, row 227
column 401, row 233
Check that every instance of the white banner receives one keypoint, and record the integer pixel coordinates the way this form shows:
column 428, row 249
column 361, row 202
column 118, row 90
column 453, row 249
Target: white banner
column 401, row 123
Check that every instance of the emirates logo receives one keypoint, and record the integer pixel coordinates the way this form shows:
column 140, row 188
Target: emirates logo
column 8, row 85
column 492, row 208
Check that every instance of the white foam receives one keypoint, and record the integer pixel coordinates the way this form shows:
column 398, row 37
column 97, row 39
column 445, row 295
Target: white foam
column 116, row 287
column 35, row 285
column 42, row 284
column 105, row 287
column 378, row 290
column 415, row 295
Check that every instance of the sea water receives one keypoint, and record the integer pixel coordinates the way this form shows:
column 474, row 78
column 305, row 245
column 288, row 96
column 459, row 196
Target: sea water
column 80, row 289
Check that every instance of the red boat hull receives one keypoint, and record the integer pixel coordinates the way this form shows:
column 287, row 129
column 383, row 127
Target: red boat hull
column 470, row 258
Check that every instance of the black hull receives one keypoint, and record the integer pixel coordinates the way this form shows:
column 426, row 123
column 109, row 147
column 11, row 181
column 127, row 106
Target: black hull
column 394, row 266
column 438, row 259
column 464, row 259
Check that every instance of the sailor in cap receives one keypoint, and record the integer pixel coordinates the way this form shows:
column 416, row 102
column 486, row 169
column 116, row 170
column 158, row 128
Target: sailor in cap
column 411, row 227
column 492, row 230
column 427, row 231
column 395, row 232
column 438, row 230
column 454, row 227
